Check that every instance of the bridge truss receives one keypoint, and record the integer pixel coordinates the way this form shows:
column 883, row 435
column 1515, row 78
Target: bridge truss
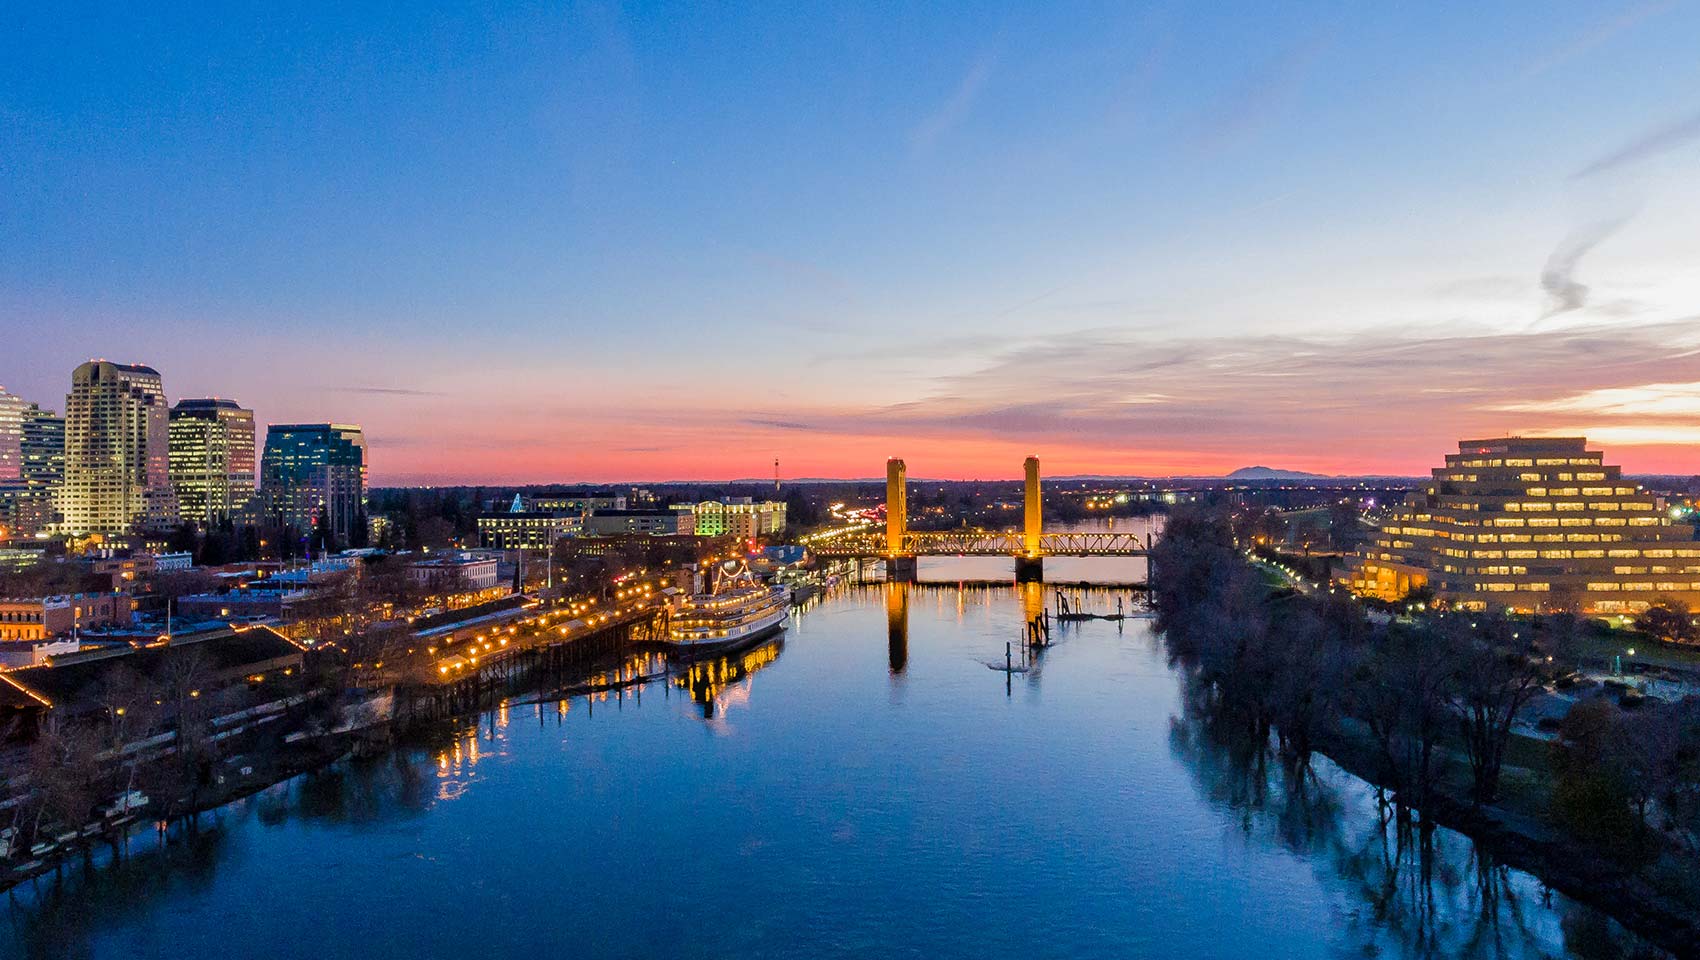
column 984, row 543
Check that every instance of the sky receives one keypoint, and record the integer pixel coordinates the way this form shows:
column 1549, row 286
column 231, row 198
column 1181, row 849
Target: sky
column 554, row 242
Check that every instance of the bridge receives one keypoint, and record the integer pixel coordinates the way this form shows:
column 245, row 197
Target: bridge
column 901, row 547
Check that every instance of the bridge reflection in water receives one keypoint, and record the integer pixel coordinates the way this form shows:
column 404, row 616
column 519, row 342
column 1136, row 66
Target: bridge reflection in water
column 897, row 596
column 897, row 626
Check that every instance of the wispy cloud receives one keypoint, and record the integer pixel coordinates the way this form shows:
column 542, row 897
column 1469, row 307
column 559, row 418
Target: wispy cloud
column 1645, row 400
column 1258, row 97
column 951, row 112
column 1558, row 277
column 388, row 391
column 1595, row 36
column 1662, row 139
column 1337, row 403
column 778, row 424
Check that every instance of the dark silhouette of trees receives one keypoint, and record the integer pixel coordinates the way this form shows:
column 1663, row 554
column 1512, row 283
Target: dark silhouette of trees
column 323, row 536
column 1401, row 694
column 69, row 779
column 1668, row 619
column 51, row 578
column 186, row 713
column 1492, row 679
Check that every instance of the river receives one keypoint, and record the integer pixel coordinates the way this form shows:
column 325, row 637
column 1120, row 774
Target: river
column 866, row 787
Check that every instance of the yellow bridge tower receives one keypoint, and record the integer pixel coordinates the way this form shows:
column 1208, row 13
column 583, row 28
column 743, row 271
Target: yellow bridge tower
column 1030, row 565
column 899, row 563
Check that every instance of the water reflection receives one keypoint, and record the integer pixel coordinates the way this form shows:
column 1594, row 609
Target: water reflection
column 713, row 683
column 60, row 915
column 897, row 627
column 1110, row 812
column 1406, row 891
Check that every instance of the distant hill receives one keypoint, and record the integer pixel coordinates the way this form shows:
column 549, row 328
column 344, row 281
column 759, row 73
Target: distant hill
column 1269, row 473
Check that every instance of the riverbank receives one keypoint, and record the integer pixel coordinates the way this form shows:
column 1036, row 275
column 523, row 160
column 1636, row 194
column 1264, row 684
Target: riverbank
column 1523, row 839
column 1426, row 708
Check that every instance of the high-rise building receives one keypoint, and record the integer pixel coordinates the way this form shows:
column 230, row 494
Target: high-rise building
column 313, row 468
column 12, row 489
column 11, row 436
column 43, row 447
column 117, row 474
column 1531, row 524
column 212, row 458
column 29, row 503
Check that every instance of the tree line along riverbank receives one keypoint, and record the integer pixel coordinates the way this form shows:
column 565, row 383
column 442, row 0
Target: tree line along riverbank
column 1434, row 710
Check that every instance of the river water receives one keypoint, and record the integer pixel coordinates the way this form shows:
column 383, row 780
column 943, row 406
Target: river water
column 865, row 788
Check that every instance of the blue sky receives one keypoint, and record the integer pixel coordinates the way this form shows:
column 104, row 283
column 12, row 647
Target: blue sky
column 544, row 241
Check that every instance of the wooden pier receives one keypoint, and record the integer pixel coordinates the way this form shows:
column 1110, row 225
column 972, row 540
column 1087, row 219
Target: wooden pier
column 470, row 674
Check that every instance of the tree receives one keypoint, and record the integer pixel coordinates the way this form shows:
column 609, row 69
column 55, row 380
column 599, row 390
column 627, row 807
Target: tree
column 1401, row 693
column 1585, row 796
column 186, row 713
column 1314, row 648
column 435, row 532
column 1640, row 756
column 385, row 580
column 50, row 578
column 1492, row 680
column 1669, row 620
column 324, row 538
column 1562, row 638
column 1344, row 530
column 68, row 775
column 184, row 539
column 1681, row 799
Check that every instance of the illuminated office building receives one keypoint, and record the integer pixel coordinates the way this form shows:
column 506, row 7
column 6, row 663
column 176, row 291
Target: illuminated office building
column 11, row 436
column 29, row 502
column 1531, row 524
column 212, row 458
column 526, row 529
column 313, row 468
column 117, row 475
column 43, row 448
column 737, row 516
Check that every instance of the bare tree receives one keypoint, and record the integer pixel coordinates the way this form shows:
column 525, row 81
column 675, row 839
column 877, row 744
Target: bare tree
column 68, row 776
column 1401, row 692
column 180, row 684
column 1492, row 680
column 1669, row 620
column 1640, row 756
column 1681, row 799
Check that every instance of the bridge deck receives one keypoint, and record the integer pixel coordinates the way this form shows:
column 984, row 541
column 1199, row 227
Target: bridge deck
column 984, row 543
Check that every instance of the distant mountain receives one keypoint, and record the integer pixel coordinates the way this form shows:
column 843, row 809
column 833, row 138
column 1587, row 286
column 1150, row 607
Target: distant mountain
column 1269, row 473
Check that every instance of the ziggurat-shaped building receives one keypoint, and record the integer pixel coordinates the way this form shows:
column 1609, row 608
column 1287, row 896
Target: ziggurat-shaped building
column 1531, row 524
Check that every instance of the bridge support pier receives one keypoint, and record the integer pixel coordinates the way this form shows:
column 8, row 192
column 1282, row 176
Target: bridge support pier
column 902, row 569
column 1029, row 569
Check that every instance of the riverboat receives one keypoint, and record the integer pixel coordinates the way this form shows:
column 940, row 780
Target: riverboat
column 738, row 611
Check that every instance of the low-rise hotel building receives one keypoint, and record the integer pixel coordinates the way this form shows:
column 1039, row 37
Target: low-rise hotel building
column 738, row 517
column 1531, row 524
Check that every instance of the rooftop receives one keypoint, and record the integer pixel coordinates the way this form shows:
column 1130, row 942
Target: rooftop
column 67, row 679
column 206, row 403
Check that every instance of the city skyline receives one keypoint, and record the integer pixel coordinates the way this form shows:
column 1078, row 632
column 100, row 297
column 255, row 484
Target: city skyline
column 531, row 246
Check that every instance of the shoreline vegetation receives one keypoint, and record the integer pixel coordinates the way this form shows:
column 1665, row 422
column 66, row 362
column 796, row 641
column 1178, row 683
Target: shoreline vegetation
column 1428, row 710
